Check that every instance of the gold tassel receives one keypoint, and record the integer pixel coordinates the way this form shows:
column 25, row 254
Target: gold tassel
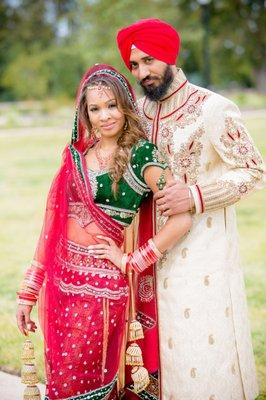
column 32, row 393
column 29, row 372
column 140, row 377
column 27, row 351
column 135, row 331
column 134, row 355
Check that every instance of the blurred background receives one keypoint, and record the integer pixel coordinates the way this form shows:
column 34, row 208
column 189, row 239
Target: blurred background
column 45, row 47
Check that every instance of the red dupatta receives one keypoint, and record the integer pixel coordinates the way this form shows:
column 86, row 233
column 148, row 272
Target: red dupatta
column 70, row 183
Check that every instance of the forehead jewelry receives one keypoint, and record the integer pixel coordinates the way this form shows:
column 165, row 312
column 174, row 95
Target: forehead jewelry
column 121, row 80
column 100, row 87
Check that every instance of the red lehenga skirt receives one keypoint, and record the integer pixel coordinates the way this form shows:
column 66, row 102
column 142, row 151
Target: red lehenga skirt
column 87, row 326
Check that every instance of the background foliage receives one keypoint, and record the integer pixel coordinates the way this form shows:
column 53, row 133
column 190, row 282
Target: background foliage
column 45, row 45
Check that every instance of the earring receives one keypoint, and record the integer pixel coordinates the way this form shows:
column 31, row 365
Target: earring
column 125, row 126
column 95, row 132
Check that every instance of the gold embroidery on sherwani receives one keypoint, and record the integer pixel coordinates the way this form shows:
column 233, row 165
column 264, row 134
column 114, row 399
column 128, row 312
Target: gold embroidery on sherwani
column 186, row 161
column 191, row 110
column 238, row 146
column 224, row 193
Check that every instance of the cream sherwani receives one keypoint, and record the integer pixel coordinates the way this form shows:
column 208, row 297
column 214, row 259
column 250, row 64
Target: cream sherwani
column 205, row 344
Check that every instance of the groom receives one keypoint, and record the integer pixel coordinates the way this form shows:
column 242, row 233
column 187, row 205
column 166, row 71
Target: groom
column 204, row 338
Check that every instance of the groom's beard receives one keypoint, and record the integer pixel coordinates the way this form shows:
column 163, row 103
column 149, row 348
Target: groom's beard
column 156, row 93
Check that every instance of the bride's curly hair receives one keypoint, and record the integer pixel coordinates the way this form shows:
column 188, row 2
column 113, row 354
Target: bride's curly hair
column 132, row 132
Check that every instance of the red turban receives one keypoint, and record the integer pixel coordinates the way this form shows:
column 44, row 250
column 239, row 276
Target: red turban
column 153, row 36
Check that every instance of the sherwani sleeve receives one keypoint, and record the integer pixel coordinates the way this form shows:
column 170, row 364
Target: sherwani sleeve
column 242, row 168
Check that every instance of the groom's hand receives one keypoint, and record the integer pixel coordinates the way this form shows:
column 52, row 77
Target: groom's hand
column 174, row 199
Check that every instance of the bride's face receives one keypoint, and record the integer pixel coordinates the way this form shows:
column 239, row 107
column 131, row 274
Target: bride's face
column 104, row 112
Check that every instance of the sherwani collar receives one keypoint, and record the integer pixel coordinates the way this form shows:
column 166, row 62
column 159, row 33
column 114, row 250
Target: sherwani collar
column 175, row 97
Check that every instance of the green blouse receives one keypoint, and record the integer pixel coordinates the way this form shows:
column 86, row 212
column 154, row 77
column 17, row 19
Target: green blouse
column 132, row 189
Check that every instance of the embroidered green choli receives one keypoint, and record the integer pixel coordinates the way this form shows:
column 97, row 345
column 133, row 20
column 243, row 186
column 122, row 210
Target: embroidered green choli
column 132, row 188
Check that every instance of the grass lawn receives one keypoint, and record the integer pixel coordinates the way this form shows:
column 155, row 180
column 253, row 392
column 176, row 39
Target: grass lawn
column 27, row 165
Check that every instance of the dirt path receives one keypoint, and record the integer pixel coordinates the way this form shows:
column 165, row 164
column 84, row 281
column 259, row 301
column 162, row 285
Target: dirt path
column 11, row 387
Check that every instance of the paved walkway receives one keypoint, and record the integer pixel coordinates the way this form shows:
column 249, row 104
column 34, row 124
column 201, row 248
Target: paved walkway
column 11, row 387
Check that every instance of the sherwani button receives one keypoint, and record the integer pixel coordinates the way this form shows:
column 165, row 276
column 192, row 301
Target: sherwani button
column 187, row 313
column 206, row 280
column 193, row 372
column 227, row 311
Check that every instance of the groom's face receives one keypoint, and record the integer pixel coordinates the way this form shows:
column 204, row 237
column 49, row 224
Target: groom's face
column 146, row 69
column 154, row 76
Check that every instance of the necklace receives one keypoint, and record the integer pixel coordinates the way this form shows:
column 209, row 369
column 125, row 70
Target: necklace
column 102, row 160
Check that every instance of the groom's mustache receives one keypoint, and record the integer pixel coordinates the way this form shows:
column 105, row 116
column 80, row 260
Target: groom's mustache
column 142, row 82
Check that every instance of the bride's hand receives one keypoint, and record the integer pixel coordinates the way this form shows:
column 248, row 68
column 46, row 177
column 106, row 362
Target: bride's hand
column 109, row 250
column 24, row 321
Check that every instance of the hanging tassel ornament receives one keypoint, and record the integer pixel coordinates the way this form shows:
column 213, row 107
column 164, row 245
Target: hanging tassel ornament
column 134, row 355
column 140, row 377
column 135, row 331
column 27, row 351
column 29, row 372
column 32, row 393
column 139, row 374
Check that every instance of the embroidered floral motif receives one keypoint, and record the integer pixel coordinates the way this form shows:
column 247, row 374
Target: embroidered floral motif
column 223, row 193
column 79, row 213
column 186, row 162
column 146, row 125
column 191, row 110
column 238, row 189
column 166, row 139
column 146, row 291
column 158, row 156
column 238, row 146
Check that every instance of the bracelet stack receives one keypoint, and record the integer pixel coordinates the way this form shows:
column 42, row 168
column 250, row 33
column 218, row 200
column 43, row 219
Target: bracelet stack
column 141, row 258
column 31, row 285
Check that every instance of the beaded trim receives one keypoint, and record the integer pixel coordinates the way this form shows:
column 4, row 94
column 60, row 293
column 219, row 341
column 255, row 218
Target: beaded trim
column 131, row 180
column 96, row 394
column 75, row 135
column 93, row 291
column 117, row 212
column 153, row 163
